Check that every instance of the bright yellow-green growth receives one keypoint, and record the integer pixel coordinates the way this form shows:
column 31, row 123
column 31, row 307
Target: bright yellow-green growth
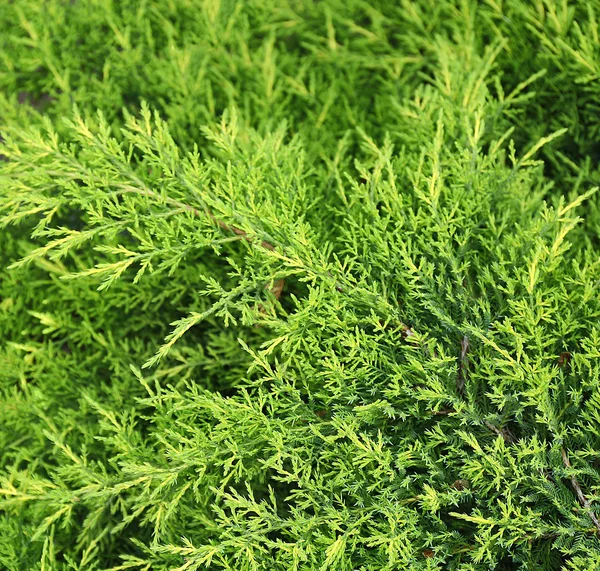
column 298, row 285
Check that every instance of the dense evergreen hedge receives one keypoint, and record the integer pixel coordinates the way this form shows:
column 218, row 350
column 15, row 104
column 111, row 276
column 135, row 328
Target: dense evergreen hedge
column 299, row 285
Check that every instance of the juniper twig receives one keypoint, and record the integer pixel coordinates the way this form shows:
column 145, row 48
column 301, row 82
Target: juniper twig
column 579, row 492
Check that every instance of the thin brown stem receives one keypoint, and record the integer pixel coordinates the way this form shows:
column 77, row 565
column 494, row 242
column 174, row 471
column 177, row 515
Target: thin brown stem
column 443, row 412
column 237, row 231
column 504, row 432
column 579, row 492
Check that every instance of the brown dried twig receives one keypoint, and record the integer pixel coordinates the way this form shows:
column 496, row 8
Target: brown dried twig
column 277, row 288
column 579, row 492
column 564, row 359
column 443, row 412
column 504, row 432
column 237, row 231
column 241, row 233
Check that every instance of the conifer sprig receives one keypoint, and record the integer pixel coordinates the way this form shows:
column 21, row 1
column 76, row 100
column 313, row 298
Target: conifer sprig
column 299, row 285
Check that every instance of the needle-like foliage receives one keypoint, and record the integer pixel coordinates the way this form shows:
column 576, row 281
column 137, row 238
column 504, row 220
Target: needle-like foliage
column 298, row 285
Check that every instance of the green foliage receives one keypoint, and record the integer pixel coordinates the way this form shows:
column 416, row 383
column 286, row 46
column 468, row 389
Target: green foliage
column 299, row 285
